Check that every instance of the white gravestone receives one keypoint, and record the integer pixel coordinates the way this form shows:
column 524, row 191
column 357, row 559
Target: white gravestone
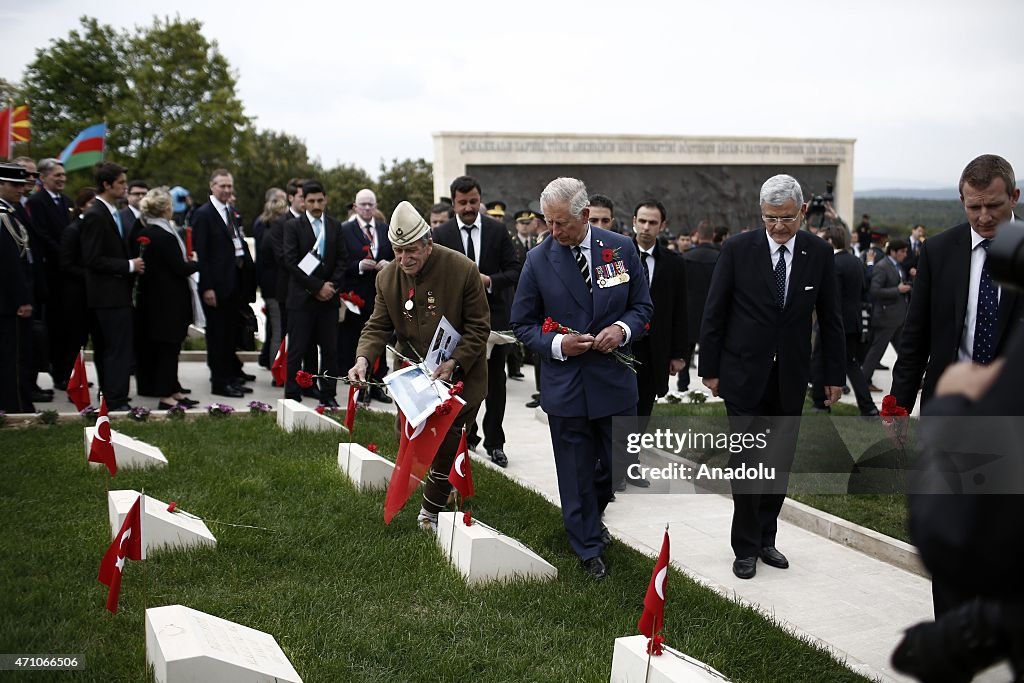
column 629, row 665
column 160, row 528
column 184, row 644
column 366, row 470
column 128, row 452
column 482, row 554
column 292, row 415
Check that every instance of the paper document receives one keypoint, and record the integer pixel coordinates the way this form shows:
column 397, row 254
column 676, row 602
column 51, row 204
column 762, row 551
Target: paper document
column 415, row 393
column 309, row 263
column 442, row 345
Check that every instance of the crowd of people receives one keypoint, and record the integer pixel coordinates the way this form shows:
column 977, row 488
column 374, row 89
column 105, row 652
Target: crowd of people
column 605, row 314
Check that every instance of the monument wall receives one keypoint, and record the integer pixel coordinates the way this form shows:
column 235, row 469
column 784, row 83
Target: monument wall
column 696, row 177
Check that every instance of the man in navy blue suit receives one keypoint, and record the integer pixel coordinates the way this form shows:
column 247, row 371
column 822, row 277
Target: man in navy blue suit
column 755, row 352
column 589, row 280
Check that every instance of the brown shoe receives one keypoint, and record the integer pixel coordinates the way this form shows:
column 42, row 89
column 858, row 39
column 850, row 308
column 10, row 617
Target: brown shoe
column 872, row 387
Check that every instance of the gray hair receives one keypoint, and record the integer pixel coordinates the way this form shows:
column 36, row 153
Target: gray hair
column 567, row 191
column 156, row 203
column 47, row 166
column 779, row 189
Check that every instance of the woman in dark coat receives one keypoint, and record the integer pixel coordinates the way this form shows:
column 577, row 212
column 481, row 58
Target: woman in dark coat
column 165, row 305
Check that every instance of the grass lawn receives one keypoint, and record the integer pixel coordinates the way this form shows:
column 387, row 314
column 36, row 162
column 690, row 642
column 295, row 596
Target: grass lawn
column 348, row 598
column 885, row 513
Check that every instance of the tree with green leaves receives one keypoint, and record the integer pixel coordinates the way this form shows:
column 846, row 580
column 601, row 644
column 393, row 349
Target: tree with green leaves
column 411, row 180
column 166, row 93
column 266, row 159
column 341, row 184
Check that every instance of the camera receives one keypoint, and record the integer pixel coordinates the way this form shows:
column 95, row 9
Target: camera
column 829, row 195
column 1006, row 255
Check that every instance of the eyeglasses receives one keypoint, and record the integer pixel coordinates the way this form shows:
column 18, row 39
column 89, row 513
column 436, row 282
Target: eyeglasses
column 775, row 220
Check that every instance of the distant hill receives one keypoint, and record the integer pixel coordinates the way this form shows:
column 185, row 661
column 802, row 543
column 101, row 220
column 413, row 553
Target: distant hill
column 937, row 194
column 899, row 215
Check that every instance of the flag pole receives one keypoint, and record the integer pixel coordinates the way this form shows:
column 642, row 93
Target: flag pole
column 650, row 650
column 142, row 554
column 455, row 518
column 10, row 129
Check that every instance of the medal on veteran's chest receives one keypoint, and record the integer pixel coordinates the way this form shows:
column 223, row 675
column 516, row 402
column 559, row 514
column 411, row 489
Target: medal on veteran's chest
column 611, row 274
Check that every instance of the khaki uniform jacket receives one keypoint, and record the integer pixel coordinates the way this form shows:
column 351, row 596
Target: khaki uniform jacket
column 447, row 286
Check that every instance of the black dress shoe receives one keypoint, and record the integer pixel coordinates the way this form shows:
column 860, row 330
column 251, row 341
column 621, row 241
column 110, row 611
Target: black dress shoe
column 871, row 413
column 242, row 388
column 638, row 482
column 744, row 567
column 188, row 402
column 329, row 403
column 621, row 486
column 606, row 536
column 183, row 390
column 498, row 457
column 517, row 375
column 41, row 397
column 535, row 403
column 595, row 567
column 119, row 407
column 167, row 406
column 245, row 377
column 773, row 558
column 228, row 390
column 377, row 394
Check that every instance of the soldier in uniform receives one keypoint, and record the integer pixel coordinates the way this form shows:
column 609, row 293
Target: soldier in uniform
column 15, row 293
column 424, row 283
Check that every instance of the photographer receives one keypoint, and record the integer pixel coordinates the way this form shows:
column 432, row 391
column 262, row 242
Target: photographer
column 973, row 543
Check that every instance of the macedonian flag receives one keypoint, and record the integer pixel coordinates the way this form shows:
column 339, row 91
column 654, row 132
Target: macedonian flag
column 14, row 127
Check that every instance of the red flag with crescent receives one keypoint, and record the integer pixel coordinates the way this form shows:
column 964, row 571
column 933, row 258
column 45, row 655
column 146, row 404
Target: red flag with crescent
column 279, row 370
column 461, row 475
column 653, row 617
column 78, row 385
column 127, row 545
column 350, row 407
column 102, row 448
column 416, row 450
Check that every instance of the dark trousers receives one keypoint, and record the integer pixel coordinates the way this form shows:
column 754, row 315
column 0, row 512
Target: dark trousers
column 683, row 380
column 348, row 340
column 494, row 404
column 516, row 358
column 16, row 376
column 437, row 486
column 756, row 504
column 859, row 384
column 164, row 366
column 880, row 340
column 55, row 316
column 115, row 329
column 581, row 445
column 222, row 328
column 307, row 330
column 79, row 322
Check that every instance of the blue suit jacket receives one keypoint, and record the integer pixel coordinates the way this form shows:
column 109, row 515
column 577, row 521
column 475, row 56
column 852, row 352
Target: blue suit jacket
column 593, row 384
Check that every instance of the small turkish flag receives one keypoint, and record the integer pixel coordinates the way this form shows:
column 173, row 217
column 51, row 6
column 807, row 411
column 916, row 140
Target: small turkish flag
column 78, row 385
column 102, row 448
column 461, row 475
column 350, row 408
column 279, row 370
column 127, row 545
column 653, row 617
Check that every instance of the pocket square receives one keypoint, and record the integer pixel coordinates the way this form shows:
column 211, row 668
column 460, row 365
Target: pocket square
column 808, row 288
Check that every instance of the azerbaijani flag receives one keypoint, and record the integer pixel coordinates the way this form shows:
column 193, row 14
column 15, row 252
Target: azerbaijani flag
column 86, row 149
column 14, row 127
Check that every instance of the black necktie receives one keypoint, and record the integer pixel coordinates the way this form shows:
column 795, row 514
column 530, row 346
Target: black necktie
column 647, row 269
column 987, row 315
column 780, row 277
column 581, row 263
column 470, row 249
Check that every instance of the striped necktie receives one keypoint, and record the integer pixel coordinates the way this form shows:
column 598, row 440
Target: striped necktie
column 581, row 263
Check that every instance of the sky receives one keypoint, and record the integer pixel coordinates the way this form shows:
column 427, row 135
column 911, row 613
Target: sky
column 923, row 87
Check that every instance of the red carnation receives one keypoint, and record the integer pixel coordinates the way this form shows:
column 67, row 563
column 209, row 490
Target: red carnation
column 366, row 249
column 443, row 408
column 372, row 447
column 467, row 519
column 457, row 389
column 655, row 645
column 143, row 241
column 171, row 506
column 358, row 300
column 320, row 409
column 647, row 327
column 304, row 379
column 607, row 255
column 889, row 405
column 412, row 293
column 549, row 326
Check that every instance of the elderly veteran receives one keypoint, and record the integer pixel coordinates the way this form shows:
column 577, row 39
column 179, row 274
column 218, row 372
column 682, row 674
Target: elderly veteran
column 424, row 283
